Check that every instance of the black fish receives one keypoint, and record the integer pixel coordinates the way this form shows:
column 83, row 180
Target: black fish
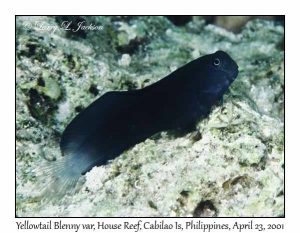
column 119, row 120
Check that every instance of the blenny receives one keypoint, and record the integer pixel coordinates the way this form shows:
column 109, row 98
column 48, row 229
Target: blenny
column 119, row 120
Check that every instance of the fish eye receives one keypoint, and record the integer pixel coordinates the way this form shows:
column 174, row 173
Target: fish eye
column 217, row 62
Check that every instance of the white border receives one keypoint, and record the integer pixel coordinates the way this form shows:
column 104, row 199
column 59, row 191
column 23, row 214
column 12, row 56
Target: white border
column 8, row 221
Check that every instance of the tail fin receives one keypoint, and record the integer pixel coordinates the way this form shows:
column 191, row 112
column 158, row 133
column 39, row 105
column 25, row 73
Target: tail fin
column 56, row 180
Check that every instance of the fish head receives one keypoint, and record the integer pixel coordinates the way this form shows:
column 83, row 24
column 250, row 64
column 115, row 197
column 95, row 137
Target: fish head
column 220, row 70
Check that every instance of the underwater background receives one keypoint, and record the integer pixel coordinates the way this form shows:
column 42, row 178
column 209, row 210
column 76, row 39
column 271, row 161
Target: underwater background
column 236, row 167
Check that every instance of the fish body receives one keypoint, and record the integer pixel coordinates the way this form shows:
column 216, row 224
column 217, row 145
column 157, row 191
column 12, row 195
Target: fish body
column 119, row 120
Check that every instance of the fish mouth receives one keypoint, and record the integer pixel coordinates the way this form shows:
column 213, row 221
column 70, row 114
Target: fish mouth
column 234, row 75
